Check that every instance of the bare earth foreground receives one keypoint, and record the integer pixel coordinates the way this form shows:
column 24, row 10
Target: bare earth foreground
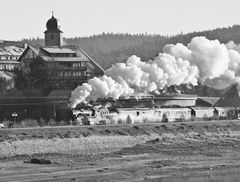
column 197, row 151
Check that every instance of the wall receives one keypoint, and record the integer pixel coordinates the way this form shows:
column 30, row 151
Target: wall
column 56, row 40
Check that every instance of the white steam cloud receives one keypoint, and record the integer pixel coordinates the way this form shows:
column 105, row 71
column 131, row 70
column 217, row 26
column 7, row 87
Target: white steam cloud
column 218, row 65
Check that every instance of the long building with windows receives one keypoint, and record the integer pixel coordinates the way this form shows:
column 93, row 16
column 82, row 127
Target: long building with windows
column 9, row 56
column 68, row 65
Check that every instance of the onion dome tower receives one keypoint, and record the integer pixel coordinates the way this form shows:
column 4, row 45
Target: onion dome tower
column 53, row 34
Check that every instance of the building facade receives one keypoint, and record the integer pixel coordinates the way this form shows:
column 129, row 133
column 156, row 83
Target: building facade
column 68, row 65
column 8, row 62
column 9, row 56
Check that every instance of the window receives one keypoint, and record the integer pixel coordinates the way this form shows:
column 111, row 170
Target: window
column 137, row 113
column 76, row 64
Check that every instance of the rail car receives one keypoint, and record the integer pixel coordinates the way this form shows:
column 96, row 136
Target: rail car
column 154, row 115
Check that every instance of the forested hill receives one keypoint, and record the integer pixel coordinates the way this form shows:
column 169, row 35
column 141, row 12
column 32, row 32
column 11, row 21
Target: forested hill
column 108, row 49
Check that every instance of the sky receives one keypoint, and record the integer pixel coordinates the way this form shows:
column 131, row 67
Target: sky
column 27, row 18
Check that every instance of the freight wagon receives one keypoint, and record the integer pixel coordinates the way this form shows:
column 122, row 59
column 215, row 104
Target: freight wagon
column 154, row 115
column 202, row 113
column 226, row 112
column 174, row 114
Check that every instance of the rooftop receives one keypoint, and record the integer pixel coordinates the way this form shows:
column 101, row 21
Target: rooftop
column 64, row 59
column 11, row 51
column 210, row 100
column 56, row 50
column 202, row 108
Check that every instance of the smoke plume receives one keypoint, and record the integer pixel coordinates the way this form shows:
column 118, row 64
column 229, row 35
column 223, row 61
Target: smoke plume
column 216, row 64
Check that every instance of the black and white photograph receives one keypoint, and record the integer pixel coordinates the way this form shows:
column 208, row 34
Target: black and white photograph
column 120, row 91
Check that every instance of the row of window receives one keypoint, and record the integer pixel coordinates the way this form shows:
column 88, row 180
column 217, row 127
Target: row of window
column 204, row 112
column 7, row 67
column 63, row 55
column 71, row 73
column 66, row 64
column 77, row 65
column 177, row 112
column 8, row 58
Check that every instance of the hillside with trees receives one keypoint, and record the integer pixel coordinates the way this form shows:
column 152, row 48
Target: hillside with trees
column 110, row 48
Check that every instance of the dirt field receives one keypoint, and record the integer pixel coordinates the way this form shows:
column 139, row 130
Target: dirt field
column 200, row 151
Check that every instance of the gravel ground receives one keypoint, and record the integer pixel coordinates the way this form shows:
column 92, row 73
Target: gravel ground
column 201, row 151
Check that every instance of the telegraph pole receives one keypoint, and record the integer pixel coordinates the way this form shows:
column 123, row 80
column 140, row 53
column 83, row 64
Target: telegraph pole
column 54, row 109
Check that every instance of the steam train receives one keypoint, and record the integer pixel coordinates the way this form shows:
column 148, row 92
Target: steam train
column 104, row 116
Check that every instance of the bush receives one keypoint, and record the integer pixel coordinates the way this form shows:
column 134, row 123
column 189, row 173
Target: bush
column 193, row 118
column 52, row 122
column 40, row 161
column 7, row 123
column 69, row 122
column 145, row 120
column 62, row 123
column 120, row 121
column 164, row 118
column 29, row 123
column 75, row 122
column 205, row 118
column 42, row 122
column 181, row 119
column 68, row 135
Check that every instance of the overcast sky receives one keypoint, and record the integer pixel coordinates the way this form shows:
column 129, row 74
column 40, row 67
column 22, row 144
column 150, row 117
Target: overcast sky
column 27, row 18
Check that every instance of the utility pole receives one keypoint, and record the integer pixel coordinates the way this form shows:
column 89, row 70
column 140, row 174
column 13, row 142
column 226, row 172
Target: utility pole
column 54, row 109
column 25, row 113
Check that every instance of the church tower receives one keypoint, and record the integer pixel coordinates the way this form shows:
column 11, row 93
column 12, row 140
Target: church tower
column 53, row 34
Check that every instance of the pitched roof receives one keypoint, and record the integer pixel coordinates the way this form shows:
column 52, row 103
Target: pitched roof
column 224, row 108
column 64, row 59
column 201, row 108
column 55, row 50
column 68, row 49
column 177, row 96
column 231, row 97
column 29, row 47
column 34, row 49
column 210, row 101
column 94, row 62
column 11, row 51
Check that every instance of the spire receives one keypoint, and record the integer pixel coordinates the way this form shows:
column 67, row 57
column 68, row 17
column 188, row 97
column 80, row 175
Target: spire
column 52, row 15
